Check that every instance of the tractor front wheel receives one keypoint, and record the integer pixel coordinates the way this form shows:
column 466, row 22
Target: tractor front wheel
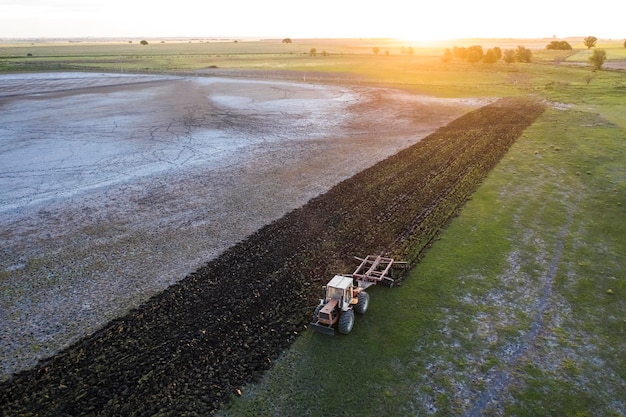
column 346, row 322
column 364, row 302
column 316, row 313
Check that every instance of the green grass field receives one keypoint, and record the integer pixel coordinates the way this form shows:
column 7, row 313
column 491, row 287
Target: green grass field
column 519, row 306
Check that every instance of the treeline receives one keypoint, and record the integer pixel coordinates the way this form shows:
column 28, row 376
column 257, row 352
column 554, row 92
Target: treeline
column 475, row 54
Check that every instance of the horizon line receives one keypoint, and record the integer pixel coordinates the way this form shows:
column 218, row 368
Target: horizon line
column 269, row 38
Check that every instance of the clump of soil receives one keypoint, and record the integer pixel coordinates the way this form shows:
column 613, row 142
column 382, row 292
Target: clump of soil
column 187, row 350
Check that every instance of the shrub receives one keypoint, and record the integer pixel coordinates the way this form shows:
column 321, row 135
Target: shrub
column 509, row 56
column 597, row 58
column 523, row 54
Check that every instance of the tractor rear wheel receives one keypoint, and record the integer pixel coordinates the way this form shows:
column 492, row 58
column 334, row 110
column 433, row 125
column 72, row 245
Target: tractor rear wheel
column 346, row 322
column 364, row 302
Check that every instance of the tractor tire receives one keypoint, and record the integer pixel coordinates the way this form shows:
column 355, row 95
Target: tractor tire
column 346, row 322
column 317, row 312
column 364, row 302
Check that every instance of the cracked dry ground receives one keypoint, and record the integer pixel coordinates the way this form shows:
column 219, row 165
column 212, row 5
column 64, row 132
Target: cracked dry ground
column 188, row 349
column 144, row 180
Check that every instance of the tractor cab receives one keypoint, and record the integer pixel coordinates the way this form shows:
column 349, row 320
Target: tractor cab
column 340, row 288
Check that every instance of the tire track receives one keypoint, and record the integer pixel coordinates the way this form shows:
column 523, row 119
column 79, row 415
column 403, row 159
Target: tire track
column 500, row 381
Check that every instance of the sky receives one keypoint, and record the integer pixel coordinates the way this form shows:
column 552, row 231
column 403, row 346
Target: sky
column 402, row 19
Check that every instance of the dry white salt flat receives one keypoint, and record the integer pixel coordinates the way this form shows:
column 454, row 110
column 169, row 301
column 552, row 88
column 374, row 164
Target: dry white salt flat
column 113, row 187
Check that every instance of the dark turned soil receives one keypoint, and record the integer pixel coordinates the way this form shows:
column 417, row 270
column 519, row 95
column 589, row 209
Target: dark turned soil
column 187, row 350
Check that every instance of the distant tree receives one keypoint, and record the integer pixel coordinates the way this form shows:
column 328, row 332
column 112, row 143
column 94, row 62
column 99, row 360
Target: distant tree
column 410, row 50
column 597, row 58
column 478, row 49
column 376, row 50
column 509, row 56
column 313, row 52
column 144, row 42
column 559, row 45
column 497, row 51
column 447, row 55
column 387, row 52
column 490, row 57
column 523, row 54
column 473, row 57
column 624, row 44
column 324, row 53
column 460, row 53
column 590, row 41
column 287, row 40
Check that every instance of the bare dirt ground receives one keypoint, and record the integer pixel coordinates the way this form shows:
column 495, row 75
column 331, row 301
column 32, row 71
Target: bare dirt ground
column 618, row 65
column 114, row 187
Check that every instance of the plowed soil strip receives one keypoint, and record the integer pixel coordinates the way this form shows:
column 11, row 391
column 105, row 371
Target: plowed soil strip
column 187, row 350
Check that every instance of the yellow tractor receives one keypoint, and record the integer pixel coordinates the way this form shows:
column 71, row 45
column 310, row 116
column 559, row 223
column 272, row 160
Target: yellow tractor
column 345, row 294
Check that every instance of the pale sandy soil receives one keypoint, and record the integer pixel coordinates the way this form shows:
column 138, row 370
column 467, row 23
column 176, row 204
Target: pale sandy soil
column 113, row 187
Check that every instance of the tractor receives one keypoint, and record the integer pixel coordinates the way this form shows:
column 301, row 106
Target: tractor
column 345, row 294
column 341, row 300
